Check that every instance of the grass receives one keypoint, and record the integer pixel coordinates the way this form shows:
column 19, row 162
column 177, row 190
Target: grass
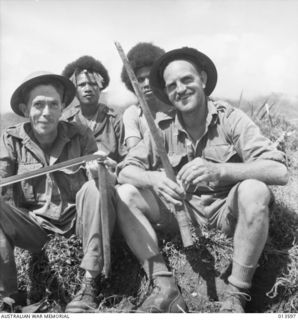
column 51, row 279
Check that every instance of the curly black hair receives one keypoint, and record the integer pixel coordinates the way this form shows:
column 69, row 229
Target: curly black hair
column 141, row 55
column 87, row 63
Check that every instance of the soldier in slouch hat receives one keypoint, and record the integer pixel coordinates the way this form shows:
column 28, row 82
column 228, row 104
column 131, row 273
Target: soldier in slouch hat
column 62, row 202
column 223, row 166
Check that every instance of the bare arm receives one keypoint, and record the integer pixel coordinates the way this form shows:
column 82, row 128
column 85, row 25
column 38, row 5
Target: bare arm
column 200, row 170
column 267, row 171
column 155, row 180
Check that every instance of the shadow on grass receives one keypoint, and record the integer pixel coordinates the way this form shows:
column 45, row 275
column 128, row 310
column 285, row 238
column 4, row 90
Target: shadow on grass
column 208, row 265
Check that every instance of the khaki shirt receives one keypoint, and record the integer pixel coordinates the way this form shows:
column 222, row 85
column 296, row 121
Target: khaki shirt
column 107, row 128
column 230, row 136
column 51, row 196
column 135, row 123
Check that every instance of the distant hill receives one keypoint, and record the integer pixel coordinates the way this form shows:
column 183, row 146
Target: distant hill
column 282, row 105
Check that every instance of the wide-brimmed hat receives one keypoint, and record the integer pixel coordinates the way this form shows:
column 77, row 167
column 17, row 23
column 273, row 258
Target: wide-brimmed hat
column 35, row 79
column 192, row 55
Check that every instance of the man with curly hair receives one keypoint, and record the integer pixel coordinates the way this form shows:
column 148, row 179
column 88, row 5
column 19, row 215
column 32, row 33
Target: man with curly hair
column 141, row 58
column 90, row 77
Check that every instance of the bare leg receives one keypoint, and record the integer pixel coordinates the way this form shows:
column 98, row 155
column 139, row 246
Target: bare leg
column 249, row 240
column 137, row 210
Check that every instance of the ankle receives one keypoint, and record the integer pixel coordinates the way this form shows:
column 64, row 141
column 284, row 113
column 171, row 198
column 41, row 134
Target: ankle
column 154, row 266
column 241, row 276
column 91, row 274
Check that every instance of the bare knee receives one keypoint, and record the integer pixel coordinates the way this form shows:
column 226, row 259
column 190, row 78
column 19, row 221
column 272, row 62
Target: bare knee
column 253, row 200
column 128, row 194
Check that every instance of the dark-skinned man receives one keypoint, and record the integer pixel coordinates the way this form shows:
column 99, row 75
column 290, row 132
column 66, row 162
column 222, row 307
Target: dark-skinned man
column 90, row 78
column 141, row 58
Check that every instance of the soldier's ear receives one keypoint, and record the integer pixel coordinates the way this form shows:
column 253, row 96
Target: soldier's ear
column 24, row 109
column 204, row 77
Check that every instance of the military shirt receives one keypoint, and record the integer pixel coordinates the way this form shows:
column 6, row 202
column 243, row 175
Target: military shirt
column 135, row 123
column 230, row 136
column 107, row 128
column 50, row 196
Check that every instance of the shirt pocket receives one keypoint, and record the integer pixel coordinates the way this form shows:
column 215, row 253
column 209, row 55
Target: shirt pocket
column 220, row 153
column 28, row 186
column 72, row 179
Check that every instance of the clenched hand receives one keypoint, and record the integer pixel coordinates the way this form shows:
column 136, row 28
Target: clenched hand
column 199, row 171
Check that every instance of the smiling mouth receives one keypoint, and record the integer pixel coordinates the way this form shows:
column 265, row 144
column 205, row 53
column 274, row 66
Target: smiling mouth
column 184, row 97
column 44, row 123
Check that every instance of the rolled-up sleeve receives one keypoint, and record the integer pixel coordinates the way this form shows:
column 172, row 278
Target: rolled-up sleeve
column 131, row 124
column 137, row 156
column 248, row 140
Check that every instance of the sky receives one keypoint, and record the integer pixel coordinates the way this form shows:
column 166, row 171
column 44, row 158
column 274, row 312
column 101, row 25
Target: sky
column 253, row 43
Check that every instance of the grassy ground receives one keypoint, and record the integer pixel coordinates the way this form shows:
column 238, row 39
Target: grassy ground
column 52, row 278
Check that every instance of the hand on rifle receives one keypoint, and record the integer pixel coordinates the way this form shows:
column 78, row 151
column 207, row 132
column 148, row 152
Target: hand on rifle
column 92, row 166
column 199, row 171
column 165, row 187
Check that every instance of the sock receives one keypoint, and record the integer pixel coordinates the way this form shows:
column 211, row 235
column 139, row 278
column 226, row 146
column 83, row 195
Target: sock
column 155, row 266
column 241, row 275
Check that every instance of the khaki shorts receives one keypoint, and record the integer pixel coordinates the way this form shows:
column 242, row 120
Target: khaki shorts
column 220, row 213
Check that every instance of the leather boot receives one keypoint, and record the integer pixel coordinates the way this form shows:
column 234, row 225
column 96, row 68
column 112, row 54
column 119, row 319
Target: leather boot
column 164, row 297
column 234, row 300
column 85, row 300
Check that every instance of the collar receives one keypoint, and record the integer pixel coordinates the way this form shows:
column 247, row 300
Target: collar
column 72, row 111
column 160, row 116
column 66, row 131
column 211, row 120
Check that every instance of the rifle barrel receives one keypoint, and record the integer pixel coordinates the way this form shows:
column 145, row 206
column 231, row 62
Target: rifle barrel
column 180, row 212
column 48, row 169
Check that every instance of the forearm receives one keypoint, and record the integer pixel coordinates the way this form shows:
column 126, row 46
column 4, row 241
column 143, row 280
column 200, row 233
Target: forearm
column 135, row 176
column 268, row 171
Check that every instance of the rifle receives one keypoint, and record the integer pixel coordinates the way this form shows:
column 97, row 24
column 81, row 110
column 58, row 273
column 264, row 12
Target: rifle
column 102, row 186
column 104, row 215
column 180, row 211
column 48, row 169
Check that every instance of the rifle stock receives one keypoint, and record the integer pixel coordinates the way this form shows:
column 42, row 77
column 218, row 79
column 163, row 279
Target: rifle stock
column 180, row 211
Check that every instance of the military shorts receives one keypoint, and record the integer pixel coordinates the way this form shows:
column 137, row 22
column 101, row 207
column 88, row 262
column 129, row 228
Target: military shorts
column 220, row 213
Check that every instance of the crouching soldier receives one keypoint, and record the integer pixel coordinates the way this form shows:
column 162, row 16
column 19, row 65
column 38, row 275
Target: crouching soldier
column 62, row 202
column 224, row 165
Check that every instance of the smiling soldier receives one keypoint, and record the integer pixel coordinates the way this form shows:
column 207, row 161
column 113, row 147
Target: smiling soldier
column 62, row 202
column 223, row 164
